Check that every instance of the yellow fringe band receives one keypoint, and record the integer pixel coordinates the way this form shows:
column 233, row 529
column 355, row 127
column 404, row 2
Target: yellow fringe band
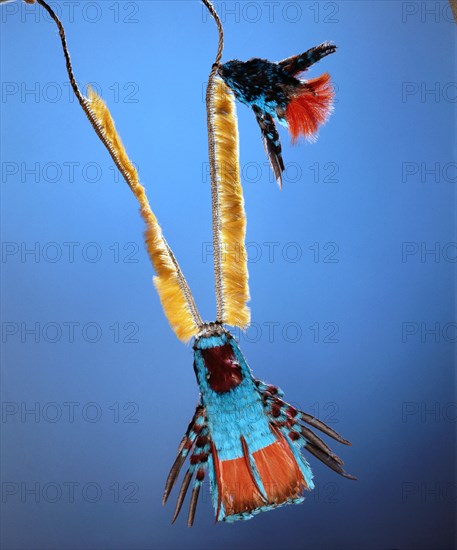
column 232, row 224
column 169, row 282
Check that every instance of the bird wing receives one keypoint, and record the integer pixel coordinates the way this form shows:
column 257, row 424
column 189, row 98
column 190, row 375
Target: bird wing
column 299, row 63
column 270, row 137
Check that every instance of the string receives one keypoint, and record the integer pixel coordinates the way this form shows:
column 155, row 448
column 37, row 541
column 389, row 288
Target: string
column 215, row 206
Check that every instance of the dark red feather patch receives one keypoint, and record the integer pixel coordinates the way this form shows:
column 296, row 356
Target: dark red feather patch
column 224, row 372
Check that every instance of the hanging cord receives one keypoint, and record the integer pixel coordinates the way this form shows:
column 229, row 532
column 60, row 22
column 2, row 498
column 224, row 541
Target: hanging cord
column 134, row 187
column 215, row 206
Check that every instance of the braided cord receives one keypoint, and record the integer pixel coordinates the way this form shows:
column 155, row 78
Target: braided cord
column 215, row 206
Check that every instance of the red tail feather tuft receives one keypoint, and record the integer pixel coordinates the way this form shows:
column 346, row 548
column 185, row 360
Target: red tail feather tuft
column 239, row 491
column 278, row 471
column 310, row 108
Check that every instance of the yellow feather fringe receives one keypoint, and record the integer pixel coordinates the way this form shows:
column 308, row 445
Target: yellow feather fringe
column 231, row 209
column 172, row 293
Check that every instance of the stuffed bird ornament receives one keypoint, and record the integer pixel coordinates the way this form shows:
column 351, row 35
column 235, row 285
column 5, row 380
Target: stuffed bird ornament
column 276, row 94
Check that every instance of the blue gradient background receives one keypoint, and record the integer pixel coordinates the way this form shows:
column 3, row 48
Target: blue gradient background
column 395, row 400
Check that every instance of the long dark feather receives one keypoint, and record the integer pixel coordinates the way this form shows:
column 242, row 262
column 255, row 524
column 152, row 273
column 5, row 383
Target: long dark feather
column 319, row 425
column 299, row 63
column 271, row 142
column 173, row 476
column 328, row 461
column 315, row 440
column 190, row 436
column 193, row 505
column 305, row 417
column 182, row 494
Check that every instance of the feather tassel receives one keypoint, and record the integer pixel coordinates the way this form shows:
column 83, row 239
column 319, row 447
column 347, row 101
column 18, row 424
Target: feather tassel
column 174, row 293
column 232, row 224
